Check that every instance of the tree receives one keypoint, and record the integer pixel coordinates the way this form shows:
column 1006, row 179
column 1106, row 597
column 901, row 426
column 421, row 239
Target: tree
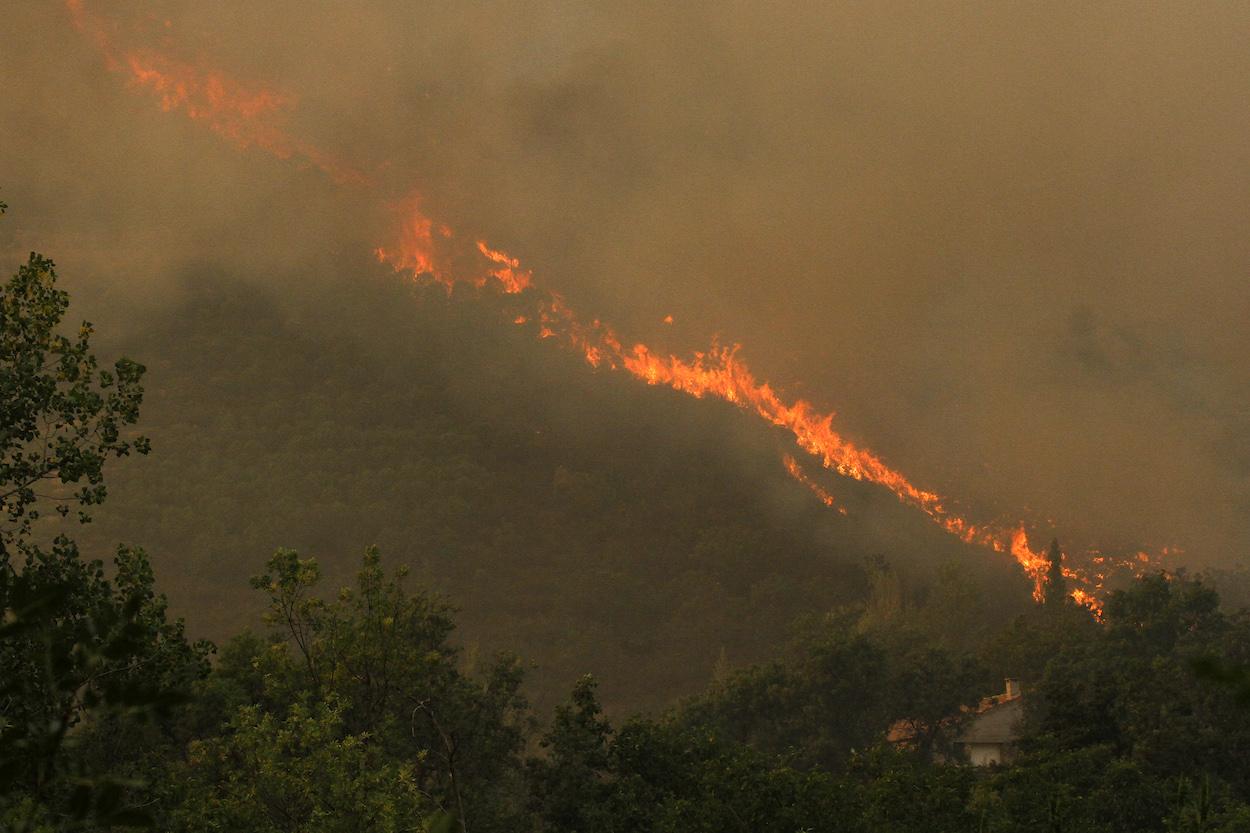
column 61, row 416
column 300, row 773
column 665, row 777
column 383, row 656
column 1056, row 585
column 571, row 787
column 840, row 690
column 77, row 650
column 814, row 708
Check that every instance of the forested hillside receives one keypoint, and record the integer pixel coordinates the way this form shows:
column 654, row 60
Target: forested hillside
column 591, row 417
column 646, row 543
column 577, row 517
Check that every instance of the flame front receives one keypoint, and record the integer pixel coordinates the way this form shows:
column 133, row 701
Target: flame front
column 244, row 115
column 429, row 251
column 720, row 373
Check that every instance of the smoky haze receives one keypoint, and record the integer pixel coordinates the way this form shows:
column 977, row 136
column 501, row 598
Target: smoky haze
column 1006, row 242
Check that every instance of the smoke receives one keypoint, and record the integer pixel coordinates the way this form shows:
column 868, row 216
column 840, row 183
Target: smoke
column 1006, row 242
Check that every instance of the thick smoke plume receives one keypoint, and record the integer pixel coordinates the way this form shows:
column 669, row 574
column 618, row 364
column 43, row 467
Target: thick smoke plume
column 1009, row 250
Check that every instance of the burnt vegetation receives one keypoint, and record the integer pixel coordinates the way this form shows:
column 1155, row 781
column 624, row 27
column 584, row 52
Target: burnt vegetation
column 590, row 607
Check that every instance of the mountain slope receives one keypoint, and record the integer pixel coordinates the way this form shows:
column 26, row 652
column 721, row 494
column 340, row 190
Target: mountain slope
column 584, row 520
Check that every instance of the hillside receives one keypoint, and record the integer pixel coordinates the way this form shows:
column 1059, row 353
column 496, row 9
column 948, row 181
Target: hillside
column 584, row 520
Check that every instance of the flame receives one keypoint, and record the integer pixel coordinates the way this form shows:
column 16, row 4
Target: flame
column 509, row 272
column 253, row 116
column 795, row 471
column 244, row 115
column 418, row 249
column 720, row 373
column 431, row 251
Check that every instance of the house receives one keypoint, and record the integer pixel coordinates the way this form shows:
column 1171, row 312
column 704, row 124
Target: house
column 990, row 735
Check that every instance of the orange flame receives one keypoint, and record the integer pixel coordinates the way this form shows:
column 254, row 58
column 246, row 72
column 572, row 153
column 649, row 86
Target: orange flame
column 795, row 471
column 243, row 115
column 509, row 273
column 418, row 249
column 431, row 253
column 719, row 373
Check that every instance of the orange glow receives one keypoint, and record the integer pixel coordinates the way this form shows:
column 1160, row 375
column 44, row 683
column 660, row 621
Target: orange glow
column 417, row 249
column 720, row 373
column 244, row 115
column 430, row 252
column 509, row 271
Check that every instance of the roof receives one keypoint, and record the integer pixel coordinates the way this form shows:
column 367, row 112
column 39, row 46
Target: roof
column 997, row 724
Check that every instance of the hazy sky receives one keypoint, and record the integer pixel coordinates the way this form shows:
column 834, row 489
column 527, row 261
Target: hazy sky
column 1007, row 242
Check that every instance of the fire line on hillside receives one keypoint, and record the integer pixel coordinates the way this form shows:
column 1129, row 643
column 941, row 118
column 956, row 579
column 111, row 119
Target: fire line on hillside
column 248, row 115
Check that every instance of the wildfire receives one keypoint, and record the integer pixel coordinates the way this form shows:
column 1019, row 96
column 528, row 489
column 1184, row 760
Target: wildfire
column 429, row 251
column 795, row 471
column 246, row 116
column 509, row 272
column 720, row 373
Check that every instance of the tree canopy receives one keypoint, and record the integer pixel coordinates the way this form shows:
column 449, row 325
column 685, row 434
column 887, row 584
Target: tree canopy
column 362, row 709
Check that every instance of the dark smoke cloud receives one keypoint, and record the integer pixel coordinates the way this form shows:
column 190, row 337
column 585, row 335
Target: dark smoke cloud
column 1006, row 241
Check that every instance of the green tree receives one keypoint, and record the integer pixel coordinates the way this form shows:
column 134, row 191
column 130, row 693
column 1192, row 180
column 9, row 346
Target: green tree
column 571, row 788
column 82, row 656
column 666, row 777
column 384, row 657
column 61, row 416
column 1086, row 790
column 77, row 650
column 300, row 773
column 814, row 707
column 839, row 690
column 901, row 792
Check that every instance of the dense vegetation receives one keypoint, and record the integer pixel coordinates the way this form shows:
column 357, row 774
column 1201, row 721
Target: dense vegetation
column 577, row 518
column 359, row 710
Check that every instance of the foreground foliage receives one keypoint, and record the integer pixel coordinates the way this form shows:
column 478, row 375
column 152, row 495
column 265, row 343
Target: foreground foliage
column 360, row 711
column 361, row 701
column 79, row 651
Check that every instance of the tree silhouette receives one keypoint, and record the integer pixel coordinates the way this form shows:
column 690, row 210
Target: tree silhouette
column 1056, row 584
